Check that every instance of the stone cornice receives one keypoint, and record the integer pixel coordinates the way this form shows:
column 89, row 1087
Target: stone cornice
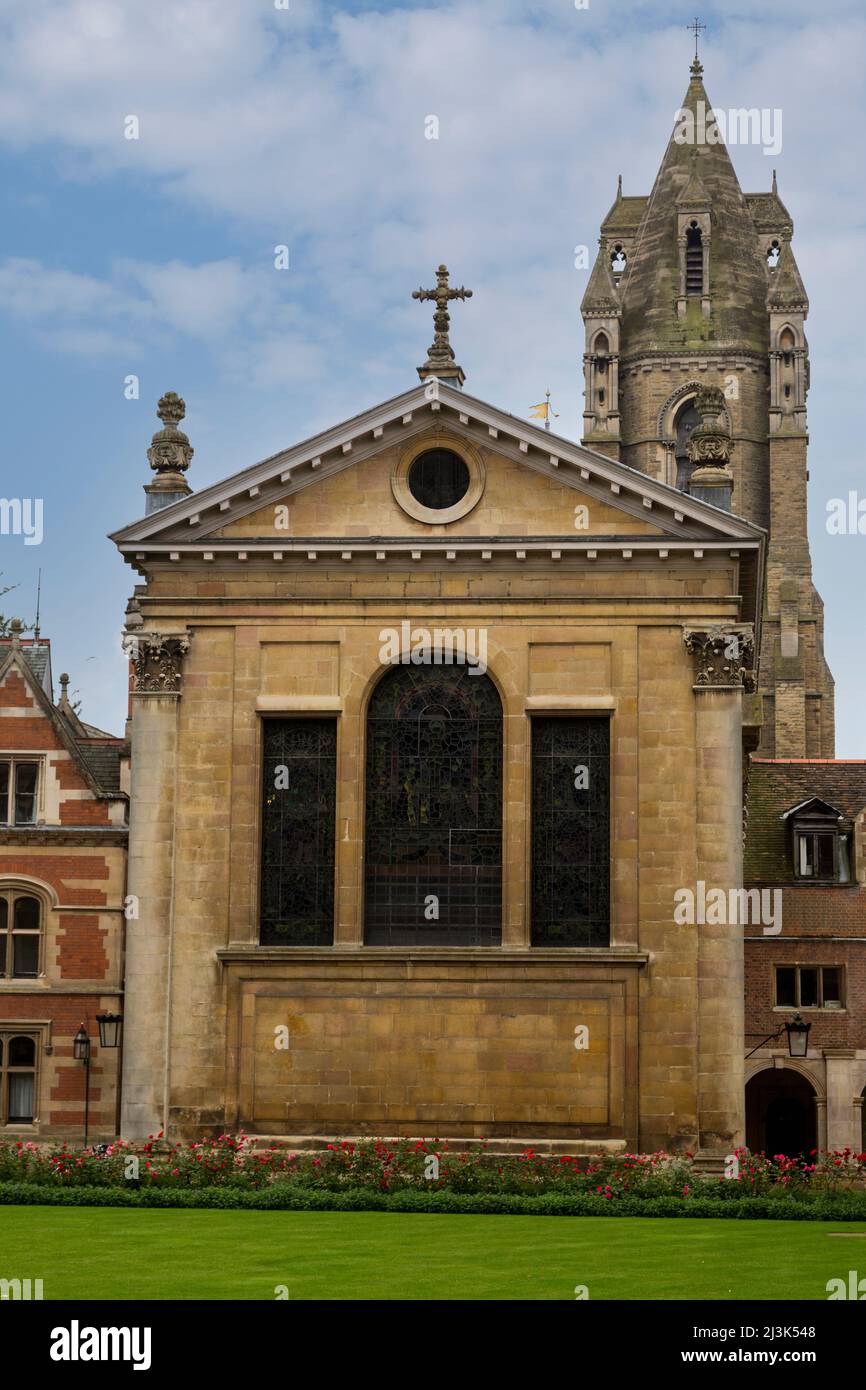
column 420, row 551
column 429, row 955
column 65, row 835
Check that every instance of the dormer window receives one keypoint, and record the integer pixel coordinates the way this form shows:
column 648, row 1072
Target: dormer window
column 816, row 855
column 819, row 842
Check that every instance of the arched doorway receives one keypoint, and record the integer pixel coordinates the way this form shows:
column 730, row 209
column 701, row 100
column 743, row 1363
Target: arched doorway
column 433, row 831
column 780, row 1113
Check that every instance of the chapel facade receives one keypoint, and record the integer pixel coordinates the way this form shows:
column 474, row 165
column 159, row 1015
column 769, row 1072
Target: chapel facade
column 437, row 715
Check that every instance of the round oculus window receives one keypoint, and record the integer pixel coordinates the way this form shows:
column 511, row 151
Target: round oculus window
column 438, row 479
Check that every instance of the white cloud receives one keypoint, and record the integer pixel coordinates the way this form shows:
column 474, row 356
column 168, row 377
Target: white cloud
column 306, row 126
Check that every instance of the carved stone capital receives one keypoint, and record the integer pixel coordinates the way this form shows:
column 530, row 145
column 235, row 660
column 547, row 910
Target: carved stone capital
column 723, row 657
column 157, row 660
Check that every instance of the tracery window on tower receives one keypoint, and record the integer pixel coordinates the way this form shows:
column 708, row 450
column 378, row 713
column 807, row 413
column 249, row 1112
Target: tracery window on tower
column 774, row 251
column 618, row 260
column 694, row 262
column 601, row 351
column 686, row 419
column 787, row 366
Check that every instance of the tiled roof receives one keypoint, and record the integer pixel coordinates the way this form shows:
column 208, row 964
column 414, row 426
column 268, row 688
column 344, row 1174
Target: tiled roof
column 768, row 211
column 36, row 654
column 103, row 760
column 625, row 215
column 774, row 787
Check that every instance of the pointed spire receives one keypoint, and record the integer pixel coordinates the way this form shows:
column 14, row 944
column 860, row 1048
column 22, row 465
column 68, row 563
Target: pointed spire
column 787, row 290
column 600, row 294
column 693, row 165
column 775, row 188
column 619, row 188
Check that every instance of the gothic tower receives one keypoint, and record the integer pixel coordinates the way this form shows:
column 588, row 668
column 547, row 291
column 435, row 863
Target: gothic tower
column 695, row 289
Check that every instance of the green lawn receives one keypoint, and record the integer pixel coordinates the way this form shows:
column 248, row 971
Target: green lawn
column 116, row 1254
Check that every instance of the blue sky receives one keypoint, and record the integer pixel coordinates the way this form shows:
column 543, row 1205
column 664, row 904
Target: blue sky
column 305, row 127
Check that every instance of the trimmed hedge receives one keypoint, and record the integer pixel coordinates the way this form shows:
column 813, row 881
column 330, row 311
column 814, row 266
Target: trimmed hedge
column 285, row 1197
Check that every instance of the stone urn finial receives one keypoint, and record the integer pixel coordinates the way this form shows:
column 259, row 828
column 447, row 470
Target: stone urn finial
column 710, row 449
column 170, row 450
column 169, row 455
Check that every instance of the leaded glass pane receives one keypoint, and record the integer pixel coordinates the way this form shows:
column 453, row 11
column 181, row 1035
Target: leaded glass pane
column 433, row 863
column 299, row 771
column 25, row 955
column 438, row 478
column 571, row 832
column 21, row 1092
column 26, row 776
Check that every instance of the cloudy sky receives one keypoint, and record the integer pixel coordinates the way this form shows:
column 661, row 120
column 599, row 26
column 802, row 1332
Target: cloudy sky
column 265, row 123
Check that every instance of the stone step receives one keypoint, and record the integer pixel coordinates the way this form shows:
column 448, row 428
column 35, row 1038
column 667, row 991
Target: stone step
column 313, row 1143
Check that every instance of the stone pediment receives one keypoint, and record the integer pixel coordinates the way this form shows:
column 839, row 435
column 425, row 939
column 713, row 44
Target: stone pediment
column 318, row 493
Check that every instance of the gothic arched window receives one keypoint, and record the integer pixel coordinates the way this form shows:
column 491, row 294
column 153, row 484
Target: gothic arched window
column 433, row 859
column 687, row 418
column 20, row 934
column 694, row 261
column 17, row 1079
column 618, row 260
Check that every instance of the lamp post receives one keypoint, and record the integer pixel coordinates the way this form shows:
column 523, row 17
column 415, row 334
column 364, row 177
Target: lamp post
column 109, row 1036
column 798, row 1037
column 81, row 1050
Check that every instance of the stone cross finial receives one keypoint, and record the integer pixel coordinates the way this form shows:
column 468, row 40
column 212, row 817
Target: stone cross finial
column 697, row 29
column 16, row 627
column 440, row 357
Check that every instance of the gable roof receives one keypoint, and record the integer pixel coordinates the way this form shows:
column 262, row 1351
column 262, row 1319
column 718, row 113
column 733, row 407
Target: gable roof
column 98, row 763
column 815, row 803
column 189, row 527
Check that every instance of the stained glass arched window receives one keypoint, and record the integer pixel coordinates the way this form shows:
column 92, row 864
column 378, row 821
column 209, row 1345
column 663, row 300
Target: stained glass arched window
column 433, row 863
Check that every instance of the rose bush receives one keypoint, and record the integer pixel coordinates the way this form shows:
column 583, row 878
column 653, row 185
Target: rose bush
column 233, row 1161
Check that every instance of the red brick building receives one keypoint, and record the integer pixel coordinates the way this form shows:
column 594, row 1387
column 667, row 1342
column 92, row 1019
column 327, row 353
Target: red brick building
column 63, row 837
column 806, row 838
